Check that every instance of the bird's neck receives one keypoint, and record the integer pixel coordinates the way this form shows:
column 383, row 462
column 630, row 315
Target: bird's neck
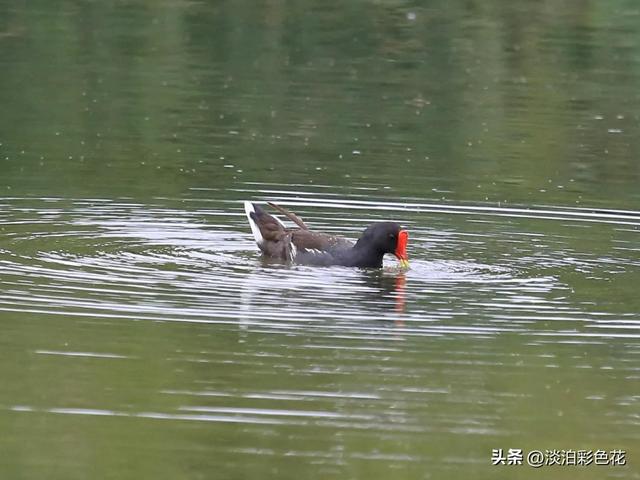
column 367, row 256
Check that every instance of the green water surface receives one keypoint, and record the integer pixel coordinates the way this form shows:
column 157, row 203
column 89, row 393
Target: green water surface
column 141, row 335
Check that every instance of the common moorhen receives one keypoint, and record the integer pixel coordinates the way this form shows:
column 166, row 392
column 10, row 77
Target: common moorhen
column 301, row 245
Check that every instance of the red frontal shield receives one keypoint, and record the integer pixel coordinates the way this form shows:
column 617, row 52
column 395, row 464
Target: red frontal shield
column 401, row 246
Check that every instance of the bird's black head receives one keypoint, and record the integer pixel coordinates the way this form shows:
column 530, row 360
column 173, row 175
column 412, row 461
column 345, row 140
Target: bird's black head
column 386, row 237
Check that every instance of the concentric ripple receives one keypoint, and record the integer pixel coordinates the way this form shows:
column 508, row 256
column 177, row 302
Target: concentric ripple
column 482, row 271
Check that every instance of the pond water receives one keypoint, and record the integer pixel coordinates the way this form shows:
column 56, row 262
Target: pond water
column 144, row 337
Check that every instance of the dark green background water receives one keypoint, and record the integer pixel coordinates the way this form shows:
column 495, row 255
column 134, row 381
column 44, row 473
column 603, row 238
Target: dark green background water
column 141, row 336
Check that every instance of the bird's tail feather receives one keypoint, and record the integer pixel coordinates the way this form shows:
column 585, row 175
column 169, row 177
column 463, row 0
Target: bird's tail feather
column 250, row 210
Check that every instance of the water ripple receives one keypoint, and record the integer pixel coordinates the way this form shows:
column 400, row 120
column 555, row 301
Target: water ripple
column 121, row 259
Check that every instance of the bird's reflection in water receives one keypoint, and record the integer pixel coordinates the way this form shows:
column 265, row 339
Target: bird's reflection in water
column 387, row 289
column 275, row 284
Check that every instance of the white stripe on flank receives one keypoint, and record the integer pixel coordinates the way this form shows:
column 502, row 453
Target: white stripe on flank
column 248, row 208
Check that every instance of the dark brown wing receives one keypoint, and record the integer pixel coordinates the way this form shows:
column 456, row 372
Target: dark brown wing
column 307, row 240
column 270, row 228
column 290, row 215
column 304, row 240
column 276, row 240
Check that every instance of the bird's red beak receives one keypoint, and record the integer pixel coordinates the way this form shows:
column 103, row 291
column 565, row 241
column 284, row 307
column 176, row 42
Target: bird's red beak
column 401, row 248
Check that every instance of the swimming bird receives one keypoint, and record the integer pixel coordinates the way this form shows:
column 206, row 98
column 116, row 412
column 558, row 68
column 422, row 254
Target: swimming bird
column 301, row 245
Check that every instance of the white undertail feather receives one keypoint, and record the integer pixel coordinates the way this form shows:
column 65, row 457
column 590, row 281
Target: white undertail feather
column 248, row 208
